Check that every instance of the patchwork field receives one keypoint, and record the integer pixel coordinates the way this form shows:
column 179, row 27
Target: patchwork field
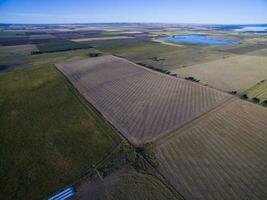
column 49, row 136
column 124, row 185
column 222, row 155
column 236, row 73
column 140, row 103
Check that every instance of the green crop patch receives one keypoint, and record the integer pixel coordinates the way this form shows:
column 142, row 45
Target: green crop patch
column 60, row 46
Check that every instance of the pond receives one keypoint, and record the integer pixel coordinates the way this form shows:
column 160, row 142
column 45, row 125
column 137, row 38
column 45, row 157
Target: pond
column 197, row 39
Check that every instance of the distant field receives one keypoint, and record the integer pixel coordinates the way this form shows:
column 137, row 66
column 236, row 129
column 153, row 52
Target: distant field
column 60, row 46
column 246, row 49
column 261, row 52
column 126, row 186
column 222, row 155
column 168, row 57
column 141, row 103
column 102, row 38
column 259, row 91
column 49, row 135
column 12, row 57
column 236, row 73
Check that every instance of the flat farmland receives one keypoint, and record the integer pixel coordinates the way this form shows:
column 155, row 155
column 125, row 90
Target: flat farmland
column 222, row 155
column 142, row 104
column 236, row 73
column 168, row 57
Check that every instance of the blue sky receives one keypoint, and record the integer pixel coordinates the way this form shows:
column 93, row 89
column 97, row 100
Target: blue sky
column 170, row 11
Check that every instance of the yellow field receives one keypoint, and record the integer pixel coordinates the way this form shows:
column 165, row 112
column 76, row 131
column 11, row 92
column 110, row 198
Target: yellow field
column 236, row 73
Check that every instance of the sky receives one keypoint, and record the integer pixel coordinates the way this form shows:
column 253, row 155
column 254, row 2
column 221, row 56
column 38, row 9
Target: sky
column 151, row 11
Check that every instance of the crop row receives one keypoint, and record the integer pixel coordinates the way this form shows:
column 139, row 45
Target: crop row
column 222, row 155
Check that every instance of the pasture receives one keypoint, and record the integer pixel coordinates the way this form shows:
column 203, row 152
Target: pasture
column 236, row 73
column 221, row 155
column 50, row 137
column 142, row 104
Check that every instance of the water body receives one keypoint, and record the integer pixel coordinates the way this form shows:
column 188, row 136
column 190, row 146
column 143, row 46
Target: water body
column 197, row 39
column 253, row 29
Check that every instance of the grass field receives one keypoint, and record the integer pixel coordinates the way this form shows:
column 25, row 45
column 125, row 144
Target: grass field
column 221, row 155
column 60, row 46
column 130, row 96
column 126, row 185
column 49, row 135
column 237, row 73
column 258, row 91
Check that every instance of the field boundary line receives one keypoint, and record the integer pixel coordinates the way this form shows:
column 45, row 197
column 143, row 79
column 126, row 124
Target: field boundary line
column 173, row 133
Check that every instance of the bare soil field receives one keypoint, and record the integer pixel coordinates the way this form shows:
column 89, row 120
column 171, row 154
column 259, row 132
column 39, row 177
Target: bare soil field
column 142, row 104
column 221, row 155
column 236, row 73
column 125, row 186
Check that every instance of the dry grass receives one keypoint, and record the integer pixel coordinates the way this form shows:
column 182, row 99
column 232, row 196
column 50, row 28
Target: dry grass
column 236, row 73
column 222, row 155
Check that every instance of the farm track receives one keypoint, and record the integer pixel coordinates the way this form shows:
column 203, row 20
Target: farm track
column 142, row 104
column 220, row 156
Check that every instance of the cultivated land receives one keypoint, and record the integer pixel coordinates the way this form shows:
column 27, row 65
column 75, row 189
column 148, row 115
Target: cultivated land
column 128, row 185
column 236, row 73
column 142, row 104
column 185, row 138
column 221, row 155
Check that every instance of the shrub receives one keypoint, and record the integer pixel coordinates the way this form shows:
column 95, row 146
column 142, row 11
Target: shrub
column 244, row 96
column 191, row 78
column 256, row 100
column 94, row 55
column 264, row 103
column 233, row 92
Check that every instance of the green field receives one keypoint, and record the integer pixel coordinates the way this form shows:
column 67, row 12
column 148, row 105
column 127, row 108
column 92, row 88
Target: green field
column 49, row 137
column 60, row 46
